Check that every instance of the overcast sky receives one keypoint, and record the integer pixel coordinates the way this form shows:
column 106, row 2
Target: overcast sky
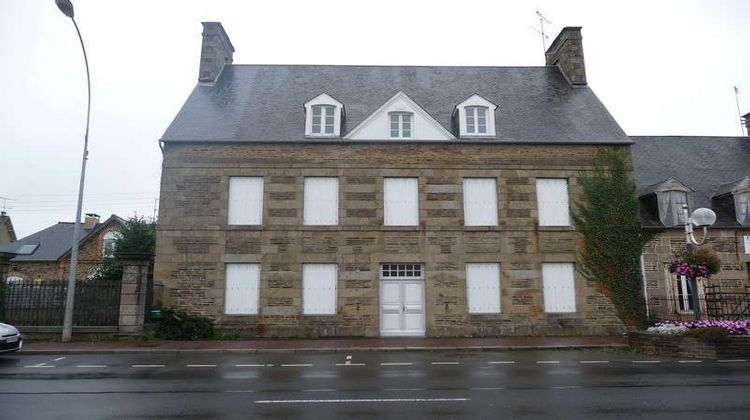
column 661, row 67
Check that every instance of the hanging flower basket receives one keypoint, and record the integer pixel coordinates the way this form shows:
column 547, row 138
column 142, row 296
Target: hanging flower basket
column 703, row 263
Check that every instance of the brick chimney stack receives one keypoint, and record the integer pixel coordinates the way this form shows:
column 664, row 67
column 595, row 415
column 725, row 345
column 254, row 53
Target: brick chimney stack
column 566, row 52
column 216, row 51
column 91, row 220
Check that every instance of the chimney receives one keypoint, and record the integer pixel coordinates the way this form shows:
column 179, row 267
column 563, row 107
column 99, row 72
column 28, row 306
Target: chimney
column 91, row 220
column 216, row 51
column 566, row 52
column 746, row 120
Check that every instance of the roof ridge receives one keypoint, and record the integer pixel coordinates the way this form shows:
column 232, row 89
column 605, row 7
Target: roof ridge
column 392, row 65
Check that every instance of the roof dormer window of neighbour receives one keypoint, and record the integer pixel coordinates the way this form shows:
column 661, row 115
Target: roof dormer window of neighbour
column 736, row 194
column 670, row 207
column 742, row 207
column 323, row 116
column 476, row 117
column 401, row 124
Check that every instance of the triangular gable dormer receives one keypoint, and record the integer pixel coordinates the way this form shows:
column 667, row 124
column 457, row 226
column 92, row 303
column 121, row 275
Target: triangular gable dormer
column 323, row 115
column 399, row 118
column 737, row 194
column 668, row 198
column 475, row 117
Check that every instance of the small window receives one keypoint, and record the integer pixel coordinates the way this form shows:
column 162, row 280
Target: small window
column 242, row 284
column 483, row 288
column 108, row 244
column 552, row 202
column 323, row 119
column 319, row 289
column 27, row 249
column 480, row 201
column 401, row 271
column 559, row 287
column 401, row 201
column 245, row 200
column 742, row 208
column 321, row 206
column 476, row 120
column 670, row 207
column 401, row 124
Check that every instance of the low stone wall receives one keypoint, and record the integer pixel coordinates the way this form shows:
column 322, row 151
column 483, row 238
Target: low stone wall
column 689, row 347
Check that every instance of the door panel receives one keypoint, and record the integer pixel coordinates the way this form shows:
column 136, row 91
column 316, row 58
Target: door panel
column 402, row 308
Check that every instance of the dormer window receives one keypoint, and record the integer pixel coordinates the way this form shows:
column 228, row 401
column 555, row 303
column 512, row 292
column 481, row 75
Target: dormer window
column 742, row 207
column 670, row 207
column 739, row 193
column 323, row 116
column 401, row 124
column 475, row 117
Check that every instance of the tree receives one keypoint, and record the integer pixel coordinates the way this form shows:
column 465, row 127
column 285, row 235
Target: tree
column 608, row 218
column 137, row 236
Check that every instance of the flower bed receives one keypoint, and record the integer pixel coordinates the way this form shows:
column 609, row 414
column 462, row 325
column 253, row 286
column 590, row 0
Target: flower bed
column 739, row 327
column 719, row 339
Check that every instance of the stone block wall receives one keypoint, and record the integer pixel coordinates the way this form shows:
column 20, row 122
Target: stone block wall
column 194, row 241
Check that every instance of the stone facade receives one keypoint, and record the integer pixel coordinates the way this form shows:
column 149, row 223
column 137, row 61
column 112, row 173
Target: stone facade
column 194, row 241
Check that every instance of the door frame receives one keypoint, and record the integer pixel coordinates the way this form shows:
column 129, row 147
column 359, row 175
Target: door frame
column 401, row 281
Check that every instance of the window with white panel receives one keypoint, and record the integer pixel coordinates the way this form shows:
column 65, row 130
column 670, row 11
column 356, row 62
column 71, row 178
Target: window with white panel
column 476, row 120
column 401, row 124
column 245, row 200
column 401, row 201
column 483, row 288
column 323, row 119
column 319, row 289
column 480, row 201
column 321, row 205
column 241, row 295
column 552, row 201
column 559, row 287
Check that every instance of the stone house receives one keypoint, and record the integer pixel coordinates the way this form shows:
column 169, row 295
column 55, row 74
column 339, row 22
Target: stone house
column 45, row 255
column 712, row 172
column 311, row 200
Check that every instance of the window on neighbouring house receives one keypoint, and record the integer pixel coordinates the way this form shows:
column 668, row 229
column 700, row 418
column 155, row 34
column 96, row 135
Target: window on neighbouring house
column 483, row 287
column 403, row 271
column 27, row 249
column 670, row 207
column 321, row 206
column 742, row 208
column 401, row 124
column 480, row 201
column 108, row 244
column 684, row 294
column 323, row 119
column 552, row 202
column 401, row 201
column 559, row 287
column 241, row 289
column 319, row 289
column 476, row 120
column 245, row 200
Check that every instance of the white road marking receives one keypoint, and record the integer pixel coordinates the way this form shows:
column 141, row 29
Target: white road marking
column 689, row 361
column 445, row 363
column 239, row 391
column 594, row 361
column 147, row 366
column 566, row 387
column 502, row 362
column 548, row 362
column 646, row 361
column 319, row 390
column 59, row 358
column 365, row 400
column 91, row 366
column 40, row 365
column 396, row 364
column 350, row 364
column 731, row 360
column 403, row 389
column 296, row 365
column 487, row 389
column 251, row 365
column 348, row 357
column 200, row 366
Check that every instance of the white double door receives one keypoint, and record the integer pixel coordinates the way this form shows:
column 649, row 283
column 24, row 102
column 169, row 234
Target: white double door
column 402, row 308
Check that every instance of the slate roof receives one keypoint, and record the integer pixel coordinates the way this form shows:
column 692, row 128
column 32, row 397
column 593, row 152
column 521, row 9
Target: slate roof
column 54, row 241
column 704, row 164
column 264, row 103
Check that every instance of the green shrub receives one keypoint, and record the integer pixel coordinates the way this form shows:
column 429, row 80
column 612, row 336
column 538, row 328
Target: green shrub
column 178, row 325
column 708, row 335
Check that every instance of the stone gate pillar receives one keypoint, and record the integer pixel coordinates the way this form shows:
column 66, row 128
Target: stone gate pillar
column 133, row 293
column 5, row 258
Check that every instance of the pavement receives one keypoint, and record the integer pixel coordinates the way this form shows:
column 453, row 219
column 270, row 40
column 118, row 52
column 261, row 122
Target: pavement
column 576, row 384
column 328, row 345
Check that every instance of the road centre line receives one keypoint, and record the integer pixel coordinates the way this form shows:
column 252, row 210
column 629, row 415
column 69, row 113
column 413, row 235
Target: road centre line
column 396, row 364
column 731, row 360
column 296, row 365
column 60, row 358
column 404, row 389
column 591, row 362
column 200, row 366
column 689, row 361
column 320, row 390
column 40, row 365
column 250, row 365
column 445, row 363
column 350, row 364
column 239, row 391
column 502, row 362
column 567, row 387
column 147, row 366
column 364, row 400
column 646, row 361
column 497, row 388
column 548, row 362
column 91, row 366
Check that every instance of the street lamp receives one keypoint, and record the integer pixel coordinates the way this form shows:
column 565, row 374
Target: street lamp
column 704, row 218
column 66, row 7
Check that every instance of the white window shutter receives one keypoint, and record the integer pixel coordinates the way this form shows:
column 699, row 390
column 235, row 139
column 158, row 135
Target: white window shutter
column 321, row 205
column 480, row 202
column 245, row 200
column 483, row 287
column 319, row 289
column 552, row 202
column 241, row 284
column 559, row 287
column 401, row 198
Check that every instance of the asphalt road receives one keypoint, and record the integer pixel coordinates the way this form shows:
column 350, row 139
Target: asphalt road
column 473, row 385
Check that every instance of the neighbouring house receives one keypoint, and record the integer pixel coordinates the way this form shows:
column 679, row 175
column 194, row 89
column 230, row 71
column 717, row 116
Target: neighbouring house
column 314, row 200
column 45, row 255
column 712, row 172
column 7, row 234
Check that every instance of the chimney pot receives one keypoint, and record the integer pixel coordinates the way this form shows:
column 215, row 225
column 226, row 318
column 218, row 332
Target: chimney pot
column 91, row 221
column 566, row 52
column 216, row 51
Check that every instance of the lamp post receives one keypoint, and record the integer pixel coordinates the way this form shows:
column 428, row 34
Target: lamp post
column 704, row 218
column 66, row 7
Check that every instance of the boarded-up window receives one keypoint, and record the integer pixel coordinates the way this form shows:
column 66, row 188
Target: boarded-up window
column 559, row 287
column 552, row 202
column 480, row 202
column 321, row 201
column 319, row 289
column 483, row 288
column 245, row 200
column 241, row 284
column 401, row 198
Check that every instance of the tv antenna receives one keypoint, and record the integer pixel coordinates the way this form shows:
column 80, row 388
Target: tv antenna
column 540, row 31
column 739, row 113
column 5, row 203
